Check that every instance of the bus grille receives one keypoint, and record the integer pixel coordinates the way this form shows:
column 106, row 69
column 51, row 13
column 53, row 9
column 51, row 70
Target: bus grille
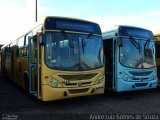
column 76, row 84
column 76, row 91
column 141, row 84
column 78, row 77
column 140, row 79
column 140, row 73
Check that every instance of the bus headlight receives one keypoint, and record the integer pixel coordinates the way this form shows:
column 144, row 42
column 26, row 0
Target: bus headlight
column 50, row 81
column 100, row 79
column 124, row 76
column 54, row 83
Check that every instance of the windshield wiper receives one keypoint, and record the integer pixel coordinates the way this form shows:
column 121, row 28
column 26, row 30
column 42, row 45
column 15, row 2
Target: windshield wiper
column 147, row 42
column 140, row 64
column 137, row 45
column 89, row 35
column 82, row 66
column 134, row 42
column 67, row 38
column 84, row 43
column 79, row 66
column 64, row 35
column 71, row 45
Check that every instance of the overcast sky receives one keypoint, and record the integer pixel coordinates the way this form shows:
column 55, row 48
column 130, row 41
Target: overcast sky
column 18, row 16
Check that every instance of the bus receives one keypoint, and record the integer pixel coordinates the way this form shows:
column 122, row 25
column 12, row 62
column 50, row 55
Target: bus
column 129, row 54
column 157, row 37
column 60, row 58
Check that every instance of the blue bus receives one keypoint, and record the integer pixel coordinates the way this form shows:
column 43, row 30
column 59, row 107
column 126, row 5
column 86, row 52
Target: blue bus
column 129, row 59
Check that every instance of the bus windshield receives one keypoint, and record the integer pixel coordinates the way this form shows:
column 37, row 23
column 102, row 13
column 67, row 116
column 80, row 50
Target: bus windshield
column 137, row 53
column 70, row 51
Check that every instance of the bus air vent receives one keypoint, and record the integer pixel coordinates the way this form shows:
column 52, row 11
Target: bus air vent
column 75, row 84
column 86, row 83
column 78, row 77
column 71, row 84
column 140, row 79
column 140, row 73
column 77, row 91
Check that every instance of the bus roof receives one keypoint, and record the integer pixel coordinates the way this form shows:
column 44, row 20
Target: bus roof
column 70, row 24
column 61, row 17
column 40, row 24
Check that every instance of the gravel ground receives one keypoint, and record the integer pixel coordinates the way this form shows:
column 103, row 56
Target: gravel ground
column 16, row 104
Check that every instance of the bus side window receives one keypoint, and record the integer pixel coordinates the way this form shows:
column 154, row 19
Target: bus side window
column 26, row 44
column 20, row 46
column 25, row 51
column 7, row 51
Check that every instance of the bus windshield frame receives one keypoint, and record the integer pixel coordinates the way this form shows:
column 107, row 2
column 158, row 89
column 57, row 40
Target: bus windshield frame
column 78, row 38
column 137, row 49
column 73, row 51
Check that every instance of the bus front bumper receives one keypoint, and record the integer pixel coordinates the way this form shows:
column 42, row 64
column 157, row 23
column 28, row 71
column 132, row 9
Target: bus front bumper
column 49, row 93
column 131, row 86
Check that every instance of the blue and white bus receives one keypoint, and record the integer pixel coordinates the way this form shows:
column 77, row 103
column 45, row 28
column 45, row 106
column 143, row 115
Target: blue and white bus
column 129, row 59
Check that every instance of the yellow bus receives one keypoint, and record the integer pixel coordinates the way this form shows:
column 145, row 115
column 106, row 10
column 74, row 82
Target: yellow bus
column 157, row 37
column 59, row 58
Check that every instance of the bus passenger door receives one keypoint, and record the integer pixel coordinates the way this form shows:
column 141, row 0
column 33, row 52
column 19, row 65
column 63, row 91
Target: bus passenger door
column 33, row 61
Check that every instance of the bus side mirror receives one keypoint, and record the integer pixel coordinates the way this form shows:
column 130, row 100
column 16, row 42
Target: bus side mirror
column 41, row 39
column 116, row 34
column 119, row 42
